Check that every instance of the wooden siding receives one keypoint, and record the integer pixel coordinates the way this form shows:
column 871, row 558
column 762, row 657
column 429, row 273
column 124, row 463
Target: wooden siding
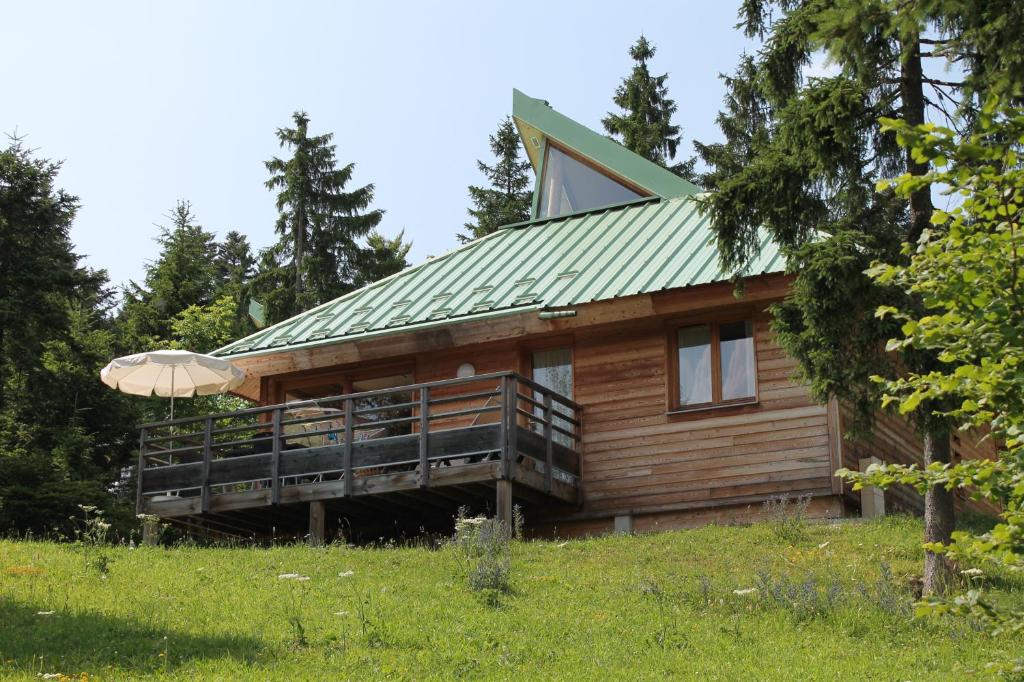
column 639, row 459
column 894, row 440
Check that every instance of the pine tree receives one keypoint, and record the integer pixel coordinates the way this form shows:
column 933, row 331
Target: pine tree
column 184, row 274
column 508, row 198
column 801, row 159
column 645, row 126
column 319, row 222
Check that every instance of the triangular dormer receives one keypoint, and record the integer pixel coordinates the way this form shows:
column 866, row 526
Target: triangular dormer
column 578, row 169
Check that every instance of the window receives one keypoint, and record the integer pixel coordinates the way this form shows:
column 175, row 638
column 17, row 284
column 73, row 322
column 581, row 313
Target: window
column 714, row 365
column 553, row 369
column 569, row 185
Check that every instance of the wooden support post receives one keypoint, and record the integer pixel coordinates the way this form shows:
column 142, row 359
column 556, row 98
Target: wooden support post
column 317, row 523
column 150, row 530
column 872, row 499
column 140, row 471
column 511, row 418
column 275, row 458
column 207, row 458
column 624, row 524
column 346, row 453
column 503, row 418
column 549, row 443
column 424, row 435
column 834, row 419
column 504, row 503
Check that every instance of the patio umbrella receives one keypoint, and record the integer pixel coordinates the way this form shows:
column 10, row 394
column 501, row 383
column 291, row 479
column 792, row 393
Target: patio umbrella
column 171, row 373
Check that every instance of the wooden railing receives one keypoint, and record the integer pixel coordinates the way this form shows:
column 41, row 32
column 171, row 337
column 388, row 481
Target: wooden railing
column 501, row 416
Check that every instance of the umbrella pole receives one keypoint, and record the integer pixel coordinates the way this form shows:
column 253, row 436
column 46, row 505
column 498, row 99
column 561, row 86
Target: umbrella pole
column 172, row 402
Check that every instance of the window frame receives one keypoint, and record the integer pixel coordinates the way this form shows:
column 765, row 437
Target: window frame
column 714, row 325
column 576, row 156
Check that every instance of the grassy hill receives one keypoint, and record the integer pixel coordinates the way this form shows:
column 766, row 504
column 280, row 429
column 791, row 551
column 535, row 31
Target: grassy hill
column 831, row 602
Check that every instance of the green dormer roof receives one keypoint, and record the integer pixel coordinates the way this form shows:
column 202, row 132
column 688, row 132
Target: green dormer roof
column 540, row 125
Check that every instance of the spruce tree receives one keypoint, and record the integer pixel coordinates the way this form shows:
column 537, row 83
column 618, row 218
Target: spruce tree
column 234, row 267
column 319, row 222
column 233, row 264
column 645, row 124
column 801, row 160
column 382, row 257
column 508, row 198
column 63, row 437
column 184, row 274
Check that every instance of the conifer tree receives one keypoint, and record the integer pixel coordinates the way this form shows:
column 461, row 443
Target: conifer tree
column 184, row 274
column 62, row 437
column 507, row 200
column 645, row 124
column 382, row 257
column 801, row 160
column 319, row 222
column 234, row 267
column 233, row 264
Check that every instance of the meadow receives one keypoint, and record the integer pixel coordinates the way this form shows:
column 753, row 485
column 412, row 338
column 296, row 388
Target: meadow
column 771, row 601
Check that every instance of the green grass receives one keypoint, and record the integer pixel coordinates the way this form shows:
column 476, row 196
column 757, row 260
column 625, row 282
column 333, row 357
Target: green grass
column 656, row 606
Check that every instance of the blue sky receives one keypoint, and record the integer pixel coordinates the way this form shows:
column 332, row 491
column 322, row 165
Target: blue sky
column 149, row 103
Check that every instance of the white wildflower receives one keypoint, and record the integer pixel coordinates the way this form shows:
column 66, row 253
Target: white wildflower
column 745, row 592
column 51, row 676
column 972, row 572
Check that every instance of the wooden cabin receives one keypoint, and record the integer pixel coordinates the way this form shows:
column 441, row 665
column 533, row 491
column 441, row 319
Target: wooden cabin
column 592, row 365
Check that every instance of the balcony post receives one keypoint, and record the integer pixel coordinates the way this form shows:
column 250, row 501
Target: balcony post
column 275, row 458
column 549, row 445
column 511, row 427
column 503, row 504
column 207, row 458
column 346, row 453
column 424, row 436
column 138, row 472
column 317, row 523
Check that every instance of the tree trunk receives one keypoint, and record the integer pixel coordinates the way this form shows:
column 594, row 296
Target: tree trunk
column 300, row 238
column 912, row 96
column 939, row 517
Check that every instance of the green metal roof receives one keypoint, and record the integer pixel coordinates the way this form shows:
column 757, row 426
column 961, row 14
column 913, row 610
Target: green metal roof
column 640, row 247
column 537, row 122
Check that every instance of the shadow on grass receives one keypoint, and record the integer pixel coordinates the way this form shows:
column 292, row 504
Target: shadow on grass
column 70, row 642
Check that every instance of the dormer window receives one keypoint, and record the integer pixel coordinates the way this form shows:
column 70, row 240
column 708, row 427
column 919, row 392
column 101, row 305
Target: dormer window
column 570, row 185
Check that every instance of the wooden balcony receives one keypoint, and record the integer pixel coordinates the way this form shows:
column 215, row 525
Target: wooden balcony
column 414, row 453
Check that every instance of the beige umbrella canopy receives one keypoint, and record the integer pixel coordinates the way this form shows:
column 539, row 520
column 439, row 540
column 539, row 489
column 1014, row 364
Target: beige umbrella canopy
column 171, row 373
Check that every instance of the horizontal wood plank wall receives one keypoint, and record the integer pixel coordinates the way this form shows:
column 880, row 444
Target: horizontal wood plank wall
column 638, row 459
column 894, row 440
